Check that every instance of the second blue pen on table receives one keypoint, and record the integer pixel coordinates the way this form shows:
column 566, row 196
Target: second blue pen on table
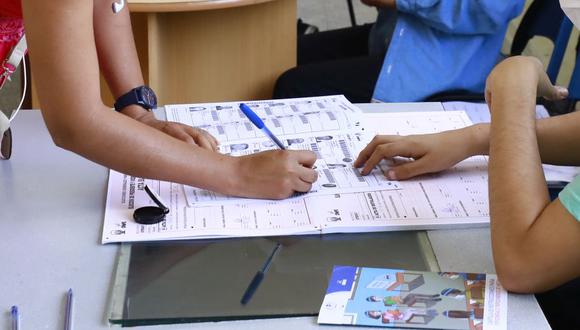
column 68, row 312
column 257, row 121
column 15, row 318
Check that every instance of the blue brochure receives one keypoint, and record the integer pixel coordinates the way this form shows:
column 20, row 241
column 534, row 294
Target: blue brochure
column 412, row 299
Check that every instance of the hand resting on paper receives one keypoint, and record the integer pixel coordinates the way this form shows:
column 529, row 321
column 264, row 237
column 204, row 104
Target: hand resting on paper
column 430, row 153
column 185, row 133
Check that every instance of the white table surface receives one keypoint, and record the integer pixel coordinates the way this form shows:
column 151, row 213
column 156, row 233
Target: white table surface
column 51, row 211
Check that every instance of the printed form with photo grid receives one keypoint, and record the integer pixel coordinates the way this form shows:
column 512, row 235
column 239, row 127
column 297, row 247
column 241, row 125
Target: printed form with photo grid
column 340, row 201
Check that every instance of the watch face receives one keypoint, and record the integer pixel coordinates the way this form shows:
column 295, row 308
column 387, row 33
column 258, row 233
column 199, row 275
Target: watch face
column 148, row 97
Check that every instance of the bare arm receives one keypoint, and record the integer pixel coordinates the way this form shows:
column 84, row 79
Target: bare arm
column 556, row 136
column 62, row 49
column 536, row 243
column 119, row 64
column 116, row 48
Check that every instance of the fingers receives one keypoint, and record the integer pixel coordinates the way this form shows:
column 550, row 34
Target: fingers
column 181, row 135
column 307, row 175
column 556, row 93
column 549, row 91
column 301, row 186
column 208, row 139
column 203, row 138
column 304, row 157
column 386, row 150
column 366, row 153
column 204, row 143
column 214, row 140
column 190, row 135
column 407, row 170
column 193, row 136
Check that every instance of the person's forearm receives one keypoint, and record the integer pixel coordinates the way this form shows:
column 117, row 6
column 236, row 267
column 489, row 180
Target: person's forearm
column 67, row 80
column 517, row 188
column 557, row 137
column 516, row 180
column 142, row 151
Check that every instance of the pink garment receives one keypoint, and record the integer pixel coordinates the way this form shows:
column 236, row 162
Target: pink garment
column 11, row 30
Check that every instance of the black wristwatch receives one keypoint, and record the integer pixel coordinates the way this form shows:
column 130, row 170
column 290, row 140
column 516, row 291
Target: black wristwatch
column 142, row 95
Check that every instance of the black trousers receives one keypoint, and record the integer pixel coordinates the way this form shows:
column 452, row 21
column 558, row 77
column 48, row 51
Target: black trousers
column 562, row 305
column 333, row 62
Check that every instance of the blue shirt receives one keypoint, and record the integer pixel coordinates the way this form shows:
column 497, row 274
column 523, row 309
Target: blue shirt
column 442, row 45
column 570, row 197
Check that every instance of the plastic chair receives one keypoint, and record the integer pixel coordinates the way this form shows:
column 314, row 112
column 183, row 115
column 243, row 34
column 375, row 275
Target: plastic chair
column 351, row 12
column 543, row 18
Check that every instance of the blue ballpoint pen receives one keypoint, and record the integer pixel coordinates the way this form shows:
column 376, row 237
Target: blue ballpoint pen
column 257, row 121
column 15, row 318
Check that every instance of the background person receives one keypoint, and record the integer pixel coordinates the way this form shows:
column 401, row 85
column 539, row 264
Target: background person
column 416, row 48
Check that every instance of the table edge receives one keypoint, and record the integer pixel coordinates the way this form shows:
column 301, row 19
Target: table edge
column 186, row 6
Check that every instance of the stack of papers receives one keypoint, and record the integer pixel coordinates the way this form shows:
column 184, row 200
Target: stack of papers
column 341, row 201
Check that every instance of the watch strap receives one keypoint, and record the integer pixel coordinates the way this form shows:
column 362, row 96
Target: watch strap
column 134, row 96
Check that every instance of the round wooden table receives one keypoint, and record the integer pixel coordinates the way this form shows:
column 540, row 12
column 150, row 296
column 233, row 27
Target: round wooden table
column 221, row 50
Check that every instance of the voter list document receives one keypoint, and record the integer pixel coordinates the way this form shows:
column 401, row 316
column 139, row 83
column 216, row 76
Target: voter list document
column 454, row 198
column 329, row 126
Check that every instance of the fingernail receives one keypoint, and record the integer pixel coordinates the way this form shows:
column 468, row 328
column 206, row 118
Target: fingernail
column 391, row 175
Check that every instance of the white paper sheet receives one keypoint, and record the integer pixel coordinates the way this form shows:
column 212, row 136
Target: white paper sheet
column 328, row 126
column 454, row 198
column 479, row 112
column 335, row 155
column 285, row 118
